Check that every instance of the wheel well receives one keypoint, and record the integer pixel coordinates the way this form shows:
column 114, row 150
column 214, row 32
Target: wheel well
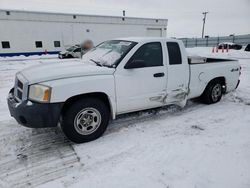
column 98, row 95
column 222, row 81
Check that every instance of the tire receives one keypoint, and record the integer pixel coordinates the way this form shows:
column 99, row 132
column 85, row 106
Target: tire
column 213, row 92
column 85, row 120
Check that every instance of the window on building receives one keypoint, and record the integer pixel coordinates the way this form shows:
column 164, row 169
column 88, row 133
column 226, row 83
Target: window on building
column 5, row 44
column 8, row 13
column 150, row 54
column 57, row 44
column 39, row 44
column 74, row 16
column 174, row 53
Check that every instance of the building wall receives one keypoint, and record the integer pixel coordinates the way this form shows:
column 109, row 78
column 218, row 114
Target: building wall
column 22, row 29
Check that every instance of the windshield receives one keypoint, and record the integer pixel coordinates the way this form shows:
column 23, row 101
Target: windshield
column 109, row 53
column 70, row 49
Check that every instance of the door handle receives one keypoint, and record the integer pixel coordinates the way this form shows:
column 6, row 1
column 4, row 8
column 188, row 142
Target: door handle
column 160, row 74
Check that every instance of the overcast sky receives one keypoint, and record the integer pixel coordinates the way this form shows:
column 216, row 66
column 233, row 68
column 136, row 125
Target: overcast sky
column 185, row 16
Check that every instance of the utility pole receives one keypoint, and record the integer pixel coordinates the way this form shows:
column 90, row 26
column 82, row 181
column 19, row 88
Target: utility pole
column 204, row 21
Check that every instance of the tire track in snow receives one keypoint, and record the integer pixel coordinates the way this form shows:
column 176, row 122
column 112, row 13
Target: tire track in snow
column 38, row 156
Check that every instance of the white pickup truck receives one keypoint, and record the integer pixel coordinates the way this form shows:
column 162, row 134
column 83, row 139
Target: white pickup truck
column 116, row 77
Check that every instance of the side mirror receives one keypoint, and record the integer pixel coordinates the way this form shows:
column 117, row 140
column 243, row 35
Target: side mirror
column 135, row 64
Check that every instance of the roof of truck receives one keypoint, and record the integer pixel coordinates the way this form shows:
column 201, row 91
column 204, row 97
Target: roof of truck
column 146, row 39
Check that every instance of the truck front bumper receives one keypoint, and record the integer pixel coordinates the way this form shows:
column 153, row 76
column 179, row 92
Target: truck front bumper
column 34, row 115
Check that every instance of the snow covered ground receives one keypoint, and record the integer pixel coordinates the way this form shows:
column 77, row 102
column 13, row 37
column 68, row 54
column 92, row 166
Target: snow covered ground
column 199, row 146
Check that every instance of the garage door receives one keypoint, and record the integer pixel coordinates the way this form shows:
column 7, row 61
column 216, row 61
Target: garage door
column 154, row 32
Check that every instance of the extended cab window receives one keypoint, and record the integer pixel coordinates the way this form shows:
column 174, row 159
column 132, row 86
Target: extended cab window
column 174, row 53
column 150, row 54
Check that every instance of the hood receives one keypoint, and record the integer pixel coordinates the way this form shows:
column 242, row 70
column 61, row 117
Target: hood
column 61, row 70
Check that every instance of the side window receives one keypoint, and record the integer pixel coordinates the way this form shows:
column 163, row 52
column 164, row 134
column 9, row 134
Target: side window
column 174, row 53
column 57, row 44
column 39, row 44
column 150, row 54
column 5, row 44
column 77, row 50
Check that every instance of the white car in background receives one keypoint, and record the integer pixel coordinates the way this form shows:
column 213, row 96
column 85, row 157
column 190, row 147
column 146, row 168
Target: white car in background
column 71, row 52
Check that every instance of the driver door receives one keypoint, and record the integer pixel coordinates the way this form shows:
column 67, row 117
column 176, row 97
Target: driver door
column 141, row 83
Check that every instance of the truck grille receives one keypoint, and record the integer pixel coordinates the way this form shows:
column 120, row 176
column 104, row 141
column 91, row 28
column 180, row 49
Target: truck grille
column 19, row 84
column 20, row 89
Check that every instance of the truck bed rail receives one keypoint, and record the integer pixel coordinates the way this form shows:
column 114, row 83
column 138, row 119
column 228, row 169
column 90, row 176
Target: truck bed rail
column 201, row 60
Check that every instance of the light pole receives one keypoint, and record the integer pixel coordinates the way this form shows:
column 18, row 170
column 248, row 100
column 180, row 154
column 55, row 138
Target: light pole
column 204, row 21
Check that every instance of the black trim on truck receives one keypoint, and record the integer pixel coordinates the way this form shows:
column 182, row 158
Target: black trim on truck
column 203, row 60
column 237, row 84
column 32, row 114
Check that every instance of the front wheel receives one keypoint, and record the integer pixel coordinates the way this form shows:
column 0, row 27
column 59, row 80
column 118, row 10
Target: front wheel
column 213, row 92
column 85, row 120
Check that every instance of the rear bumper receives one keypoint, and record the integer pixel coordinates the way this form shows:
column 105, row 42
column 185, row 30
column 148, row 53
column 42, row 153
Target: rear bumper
column 34, row 115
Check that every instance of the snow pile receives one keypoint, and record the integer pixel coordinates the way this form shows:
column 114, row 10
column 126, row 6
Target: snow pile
column 22, row 57
column 105, row 56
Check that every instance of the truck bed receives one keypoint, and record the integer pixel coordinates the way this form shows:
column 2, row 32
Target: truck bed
column 203, row 69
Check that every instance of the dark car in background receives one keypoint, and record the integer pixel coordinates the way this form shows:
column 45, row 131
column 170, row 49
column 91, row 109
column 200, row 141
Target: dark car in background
column 229, row 45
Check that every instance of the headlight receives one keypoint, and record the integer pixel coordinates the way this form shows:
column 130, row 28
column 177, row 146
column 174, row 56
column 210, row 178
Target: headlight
column 39, row 93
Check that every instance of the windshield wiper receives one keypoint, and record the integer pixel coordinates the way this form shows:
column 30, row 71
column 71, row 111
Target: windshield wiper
column 96, row 62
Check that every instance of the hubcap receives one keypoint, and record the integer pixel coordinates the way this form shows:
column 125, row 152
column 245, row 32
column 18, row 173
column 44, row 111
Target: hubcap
column 216, row 92
column 87, row 121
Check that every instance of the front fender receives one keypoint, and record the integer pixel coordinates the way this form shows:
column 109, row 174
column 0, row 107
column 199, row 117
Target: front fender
column 63, row 89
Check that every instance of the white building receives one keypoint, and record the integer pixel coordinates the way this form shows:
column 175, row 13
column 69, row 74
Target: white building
column 24, row 32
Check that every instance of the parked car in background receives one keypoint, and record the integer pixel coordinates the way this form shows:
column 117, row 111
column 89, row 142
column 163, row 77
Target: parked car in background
column 247, row 48
column 229, row 45
column 71, row 52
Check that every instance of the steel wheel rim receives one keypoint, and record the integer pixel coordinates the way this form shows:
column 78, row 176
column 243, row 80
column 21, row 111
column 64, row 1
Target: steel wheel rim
column 87, row 121
column 216, row 92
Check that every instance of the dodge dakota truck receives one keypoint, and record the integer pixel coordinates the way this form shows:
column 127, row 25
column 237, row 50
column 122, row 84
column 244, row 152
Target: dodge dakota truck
column 116, row 77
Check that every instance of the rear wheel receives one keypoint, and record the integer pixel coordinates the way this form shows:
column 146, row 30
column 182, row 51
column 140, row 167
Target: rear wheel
column 213, row 92
column 85, row 120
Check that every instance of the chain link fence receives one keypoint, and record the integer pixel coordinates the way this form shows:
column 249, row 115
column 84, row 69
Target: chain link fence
column 214, row 41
